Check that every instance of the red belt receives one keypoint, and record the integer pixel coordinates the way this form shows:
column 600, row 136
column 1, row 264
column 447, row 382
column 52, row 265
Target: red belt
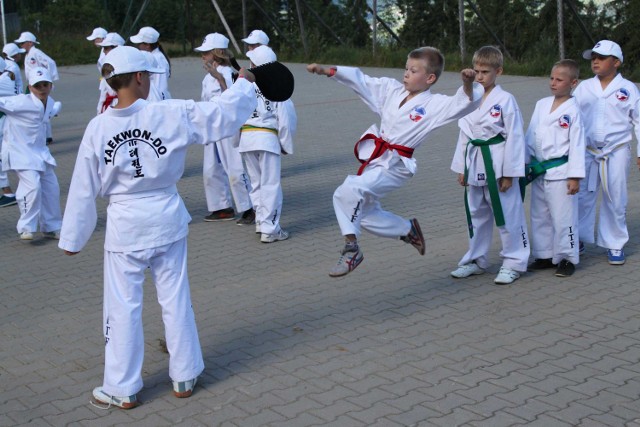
column 380, row 148
column 107, row 102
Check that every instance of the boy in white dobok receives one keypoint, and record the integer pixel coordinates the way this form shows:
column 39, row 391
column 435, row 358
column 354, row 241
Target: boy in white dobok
column 134, row 154
column 489, row 155
column 24, row 150
column 555, row 159
column 266, row 136
column 225, row 180
column 409, row 112
column 610, row 107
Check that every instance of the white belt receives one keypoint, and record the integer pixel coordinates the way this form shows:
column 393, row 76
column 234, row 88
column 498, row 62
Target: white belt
column 172, row 189
column 600, row 157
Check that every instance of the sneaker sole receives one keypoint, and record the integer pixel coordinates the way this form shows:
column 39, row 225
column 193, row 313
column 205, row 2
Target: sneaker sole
column 182, row 394
column 219, row 219
column 8, row 204
column 121, row 406
column 616, row 262
column 421, row 248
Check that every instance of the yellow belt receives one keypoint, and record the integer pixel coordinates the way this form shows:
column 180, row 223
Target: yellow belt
column 249, row 128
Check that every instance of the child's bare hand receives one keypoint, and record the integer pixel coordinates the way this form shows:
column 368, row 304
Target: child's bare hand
column 247, row 75
column 468, row 75
column 573, row 186
column 638, row 162
column 316, row 69
column 505, row 183
column 461, row 180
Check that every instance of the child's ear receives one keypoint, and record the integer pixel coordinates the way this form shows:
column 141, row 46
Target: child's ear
column 499, row 71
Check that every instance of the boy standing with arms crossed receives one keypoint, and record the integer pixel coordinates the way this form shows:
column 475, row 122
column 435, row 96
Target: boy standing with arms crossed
column 489, row 155
column 134, row 154
column 610, row 107
column 555, row 155
column 409, row 112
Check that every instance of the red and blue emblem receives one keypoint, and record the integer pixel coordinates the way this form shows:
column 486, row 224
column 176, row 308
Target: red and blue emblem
column 417, row 114
column 622, row 94
column 495, row 111
column 564, row 121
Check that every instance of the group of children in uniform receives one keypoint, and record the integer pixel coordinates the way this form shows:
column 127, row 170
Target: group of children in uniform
column 574, row 146
column 133, row 153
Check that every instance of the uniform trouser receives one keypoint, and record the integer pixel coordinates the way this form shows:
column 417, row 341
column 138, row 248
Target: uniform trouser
column 612, row 225
column 4, row 178
column 513, row 235
column 38, row 197
column 554, row 221
column 122, row 316
column 224, row 177
column 357, row 202
column 263, row 168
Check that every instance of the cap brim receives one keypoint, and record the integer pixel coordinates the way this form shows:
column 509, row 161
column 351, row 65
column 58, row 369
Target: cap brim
column 587, row 54
column 203, row 48
column 135, row 39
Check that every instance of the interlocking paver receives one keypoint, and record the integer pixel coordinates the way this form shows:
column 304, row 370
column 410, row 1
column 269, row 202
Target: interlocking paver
column 396, row 342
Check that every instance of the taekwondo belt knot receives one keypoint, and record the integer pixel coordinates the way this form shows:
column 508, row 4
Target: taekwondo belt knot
column 380, row 147
column 601, row 157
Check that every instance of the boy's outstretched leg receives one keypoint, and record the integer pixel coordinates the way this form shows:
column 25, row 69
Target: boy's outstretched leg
column 350, row 258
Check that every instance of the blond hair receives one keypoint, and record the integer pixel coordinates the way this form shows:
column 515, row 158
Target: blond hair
column 432, row 57
column 488, row 55
column 571, row 66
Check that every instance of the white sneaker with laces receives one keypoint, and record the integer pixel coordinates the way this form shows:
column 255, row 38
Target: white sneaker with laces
column 506, row 276
column 182, row 389
column 467, row 270
column 128, row 402
column 278, row 235
column 26, row 235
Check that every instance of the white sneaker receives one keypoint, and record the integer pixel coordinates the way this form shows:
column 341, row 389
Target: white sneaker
column 26, row 235
column 278, row 235
column 258, row 228
column 506, row 276
column 184, row 389
column 127, row 402
column 467, row 270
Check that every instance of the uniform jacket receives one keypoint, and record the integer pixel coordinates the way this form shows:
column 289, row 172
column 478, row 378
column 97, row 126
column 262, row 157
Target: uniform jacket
column 37, row 58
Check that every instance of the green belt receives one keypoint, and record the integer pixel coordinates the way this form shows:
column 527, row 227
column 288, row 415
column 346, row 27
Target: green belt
column 491, row 179
column 535, row 169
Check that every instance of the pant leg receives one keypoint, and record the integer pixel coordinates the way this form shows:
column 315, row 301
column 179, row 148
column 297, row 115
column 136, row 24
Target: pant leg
column 122, row 318
column 612, row 225
column 356, row 201
column 29, row 198
column 587, row 203
column 216, row 183
column 50, row 214
column 514, row 236
column 169, row 271
column 542, row 235
column 564, row 216
column 252, row 161
column 482, row 223
column 270, row 201
column 238, row 179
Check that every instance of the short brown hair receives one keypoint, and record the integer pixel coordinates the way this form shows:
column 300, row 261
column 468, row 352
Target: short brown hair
column 432, row 57
column 571, row 66
column 116, row 82
column 488, row 55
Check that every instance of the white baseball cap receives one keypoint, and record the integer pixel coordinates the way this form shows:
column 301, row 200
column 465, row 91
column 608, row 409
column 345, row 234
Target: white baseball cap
column 112, row 39
column 128, row 59
column 12, row 49
column 145, row 35
column 39, row 74
column 257, row 37
column 98, row 33
column 213, row 41
column 27, row 37
column 262, row 55
column 604, row 48
column 3, row 65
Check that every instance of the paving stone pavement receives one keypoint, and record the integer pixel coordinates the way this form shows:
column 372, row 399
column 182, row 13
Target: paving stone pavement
column 396, row 343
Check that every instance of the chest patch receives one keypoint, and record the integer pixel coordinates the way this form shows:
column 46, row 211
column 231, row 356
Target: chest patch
column 495, row 111
column 564, row 122
column 417, row 114
column 622, row 94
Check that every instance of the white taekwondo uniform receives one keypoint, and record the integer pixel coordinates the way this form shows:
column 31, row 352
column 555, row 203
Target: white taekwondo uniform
column 25, row 151
column 497, row 115
column 609, row 116
column 161, row 80
column 268, row 133
column 222, row 169
column 13, row 66
column 357, row 200
column 7, row 88
column 135, row 156
column 37, row 58
column 554, row 213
